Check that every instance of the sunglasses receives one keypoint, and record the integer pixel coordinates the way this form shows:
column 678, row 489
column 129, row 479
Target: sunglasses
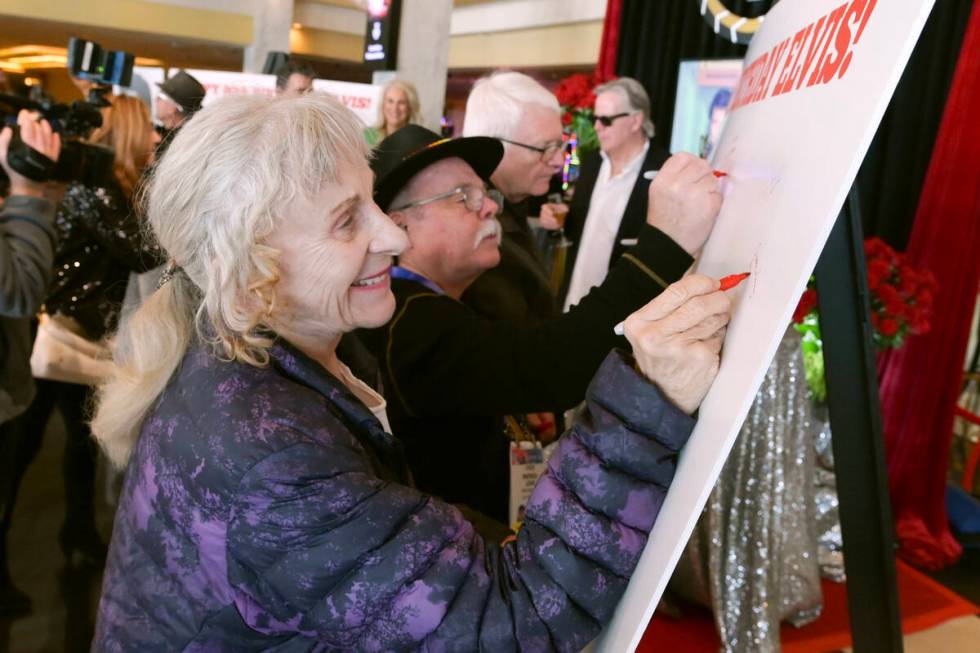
column 470, row 195
column 546, row 151
column 607, row 121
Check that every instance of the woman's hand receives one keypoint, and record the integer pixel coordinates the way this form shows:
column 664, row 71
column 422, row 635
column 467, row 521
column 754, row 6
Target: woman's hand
column 677, row 338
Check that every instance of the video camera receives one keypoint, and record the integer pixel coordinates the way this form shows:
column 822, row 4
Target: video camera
column 79, row 161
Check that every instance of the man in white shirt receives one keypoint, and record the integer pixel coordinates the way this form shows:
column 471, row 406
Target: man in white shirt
column 610, row 202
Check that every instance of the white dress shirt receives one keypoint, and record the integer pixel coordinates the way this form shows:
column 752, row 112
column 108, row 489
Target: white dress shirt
column 606, row 208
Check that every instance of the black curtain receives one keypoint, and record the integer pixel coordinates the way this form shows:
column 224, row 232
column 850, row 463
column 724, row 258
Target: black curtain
column 655, row 36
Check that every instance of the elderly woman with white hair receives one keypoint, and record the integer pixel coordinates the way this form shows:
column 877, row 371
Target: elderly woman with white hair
column 265, row 506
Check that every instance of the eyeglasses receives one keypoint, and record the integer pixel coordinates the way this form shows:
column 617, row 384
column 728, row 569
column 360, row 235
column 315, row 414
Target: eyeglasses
column 607, row 121
column 546, row 151
column 470, row 195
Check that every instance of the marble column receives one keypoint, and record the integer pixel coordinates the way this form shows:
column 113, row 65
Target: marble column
column 271, row 22
column 423, row 54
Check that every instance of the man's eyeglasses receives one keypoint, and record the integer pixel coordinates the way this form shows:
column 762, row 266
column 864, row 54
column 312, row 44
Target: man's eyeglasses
column 546, row 151
column 470, row 195
column 607, row 121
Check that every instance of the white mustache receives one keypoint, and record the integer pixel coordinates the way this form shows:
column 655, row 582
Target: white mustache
column 489, row 228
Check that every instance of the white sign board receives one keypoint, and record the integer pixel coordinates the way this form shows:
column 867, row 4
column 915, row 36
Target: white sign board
column 818, row 77
column 363, row 99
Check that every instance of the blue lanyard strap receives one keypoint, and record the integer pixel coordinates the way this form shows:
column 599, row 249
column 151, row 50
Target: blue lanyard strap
column 408, row 275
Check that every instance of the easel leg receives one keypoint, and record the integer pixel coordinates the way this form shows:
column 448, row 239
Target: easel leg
column 855, row 420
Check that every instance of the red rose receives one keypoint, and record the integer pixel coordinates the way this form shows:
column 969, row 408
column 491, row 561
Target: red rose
column 888, row 327
column 878, row 271
column 875, row 247
column 896, row 308
column 887, row 294
column 587, row 101
column 570, row 90
column 808, row 301
column 876, row 321
column 566, row 118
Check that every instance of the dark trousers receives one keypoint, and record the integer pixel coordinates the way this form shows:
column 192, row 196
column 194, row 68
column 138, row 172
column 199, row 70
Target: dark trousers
column 20, row 441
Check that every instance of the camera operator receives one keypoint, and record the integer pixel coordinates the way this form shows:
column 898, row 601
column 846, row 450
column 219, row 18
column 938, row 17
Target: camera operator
column 99, row 244
column 27, row 245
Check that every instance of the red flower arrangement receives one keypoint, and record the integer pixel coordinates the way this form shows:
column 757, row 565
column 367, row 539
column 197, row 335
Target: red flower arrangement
column 575, row 91
column 901, row 296
column 576, row 95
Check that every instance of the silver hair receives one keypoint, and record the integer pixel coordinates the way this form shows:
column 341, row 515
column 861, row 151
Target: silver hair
column 212, row 200
column 635, row 97
column 496, row 105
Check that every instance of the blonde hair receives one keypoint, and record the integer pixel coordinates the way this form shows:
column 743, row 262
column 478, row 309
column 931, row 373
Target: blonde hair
column 497, row 102
column 126, row 129
column 415, row 109
column 211, row 202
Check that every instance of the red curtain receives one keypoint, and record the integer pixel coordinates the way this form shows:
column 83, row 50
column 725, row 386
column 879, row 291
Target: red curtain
column 606, row 67
column 920, row 382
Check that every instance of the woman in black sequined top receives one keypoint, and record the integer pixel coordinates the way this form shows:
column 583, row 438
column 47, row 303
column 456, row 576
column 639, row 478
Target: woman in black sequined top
column 100, row 244
column 100, row 240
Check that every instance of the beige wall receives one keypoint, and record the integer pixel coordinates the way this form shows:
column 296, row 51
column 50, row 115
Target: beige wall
column 559, row 45
column 138, row 16
column 570, row 44
column 328, row 44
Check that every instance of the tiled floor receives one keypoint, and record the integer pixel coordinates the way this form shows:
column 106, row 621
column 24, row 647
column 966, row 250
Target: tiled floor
column 65, row 600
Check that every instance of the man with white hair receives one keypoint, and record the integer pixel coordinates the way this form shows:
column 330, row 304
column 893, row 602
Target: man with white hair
column 449, row 372
column 525, row 117
column 610, row 201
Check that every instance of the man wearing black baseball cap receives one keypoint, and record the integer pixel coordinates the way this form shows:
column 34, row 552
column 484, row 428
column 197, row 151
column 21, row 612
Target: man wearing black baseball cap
column 178, row 99
column 447, row 371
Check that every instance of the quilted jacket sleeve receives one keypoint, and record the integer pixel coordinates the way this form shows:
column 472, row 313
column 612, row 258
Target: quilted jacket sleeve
column 320, row 548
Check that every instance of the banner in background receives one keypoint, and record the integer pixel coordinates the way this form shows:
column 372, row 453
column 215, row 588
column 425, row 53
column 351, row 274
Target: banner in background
column 818, row 76
column 363, row 99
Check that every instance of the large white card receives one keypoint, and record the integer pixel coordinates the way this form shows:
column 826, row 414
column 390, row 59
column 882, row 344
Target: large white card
column 818, row 77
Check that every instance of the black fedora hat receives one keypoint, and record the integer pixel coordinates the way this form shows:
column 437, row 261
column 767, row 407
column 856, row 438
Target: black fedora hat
column 186, row 91
column 412, row 148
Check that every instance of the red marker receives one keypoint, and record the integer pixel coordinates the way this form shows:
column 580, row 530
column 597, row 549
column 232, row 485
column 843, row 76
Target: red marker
column 725, row 283
column 732, row 280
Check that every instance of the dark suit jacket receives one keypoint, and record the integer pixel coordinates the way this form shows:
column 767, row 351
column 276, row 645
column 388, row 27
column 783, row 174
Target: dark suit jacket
column 634, row 216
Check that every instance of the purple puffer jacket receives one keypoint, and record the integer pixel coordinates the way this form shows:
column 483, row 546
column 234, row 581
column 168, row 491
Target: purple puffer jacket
column 262, row 512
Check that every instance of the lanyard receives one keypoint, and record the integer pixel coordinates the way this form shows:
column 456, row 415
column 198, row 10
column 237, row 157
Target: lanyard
column 408, row 275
